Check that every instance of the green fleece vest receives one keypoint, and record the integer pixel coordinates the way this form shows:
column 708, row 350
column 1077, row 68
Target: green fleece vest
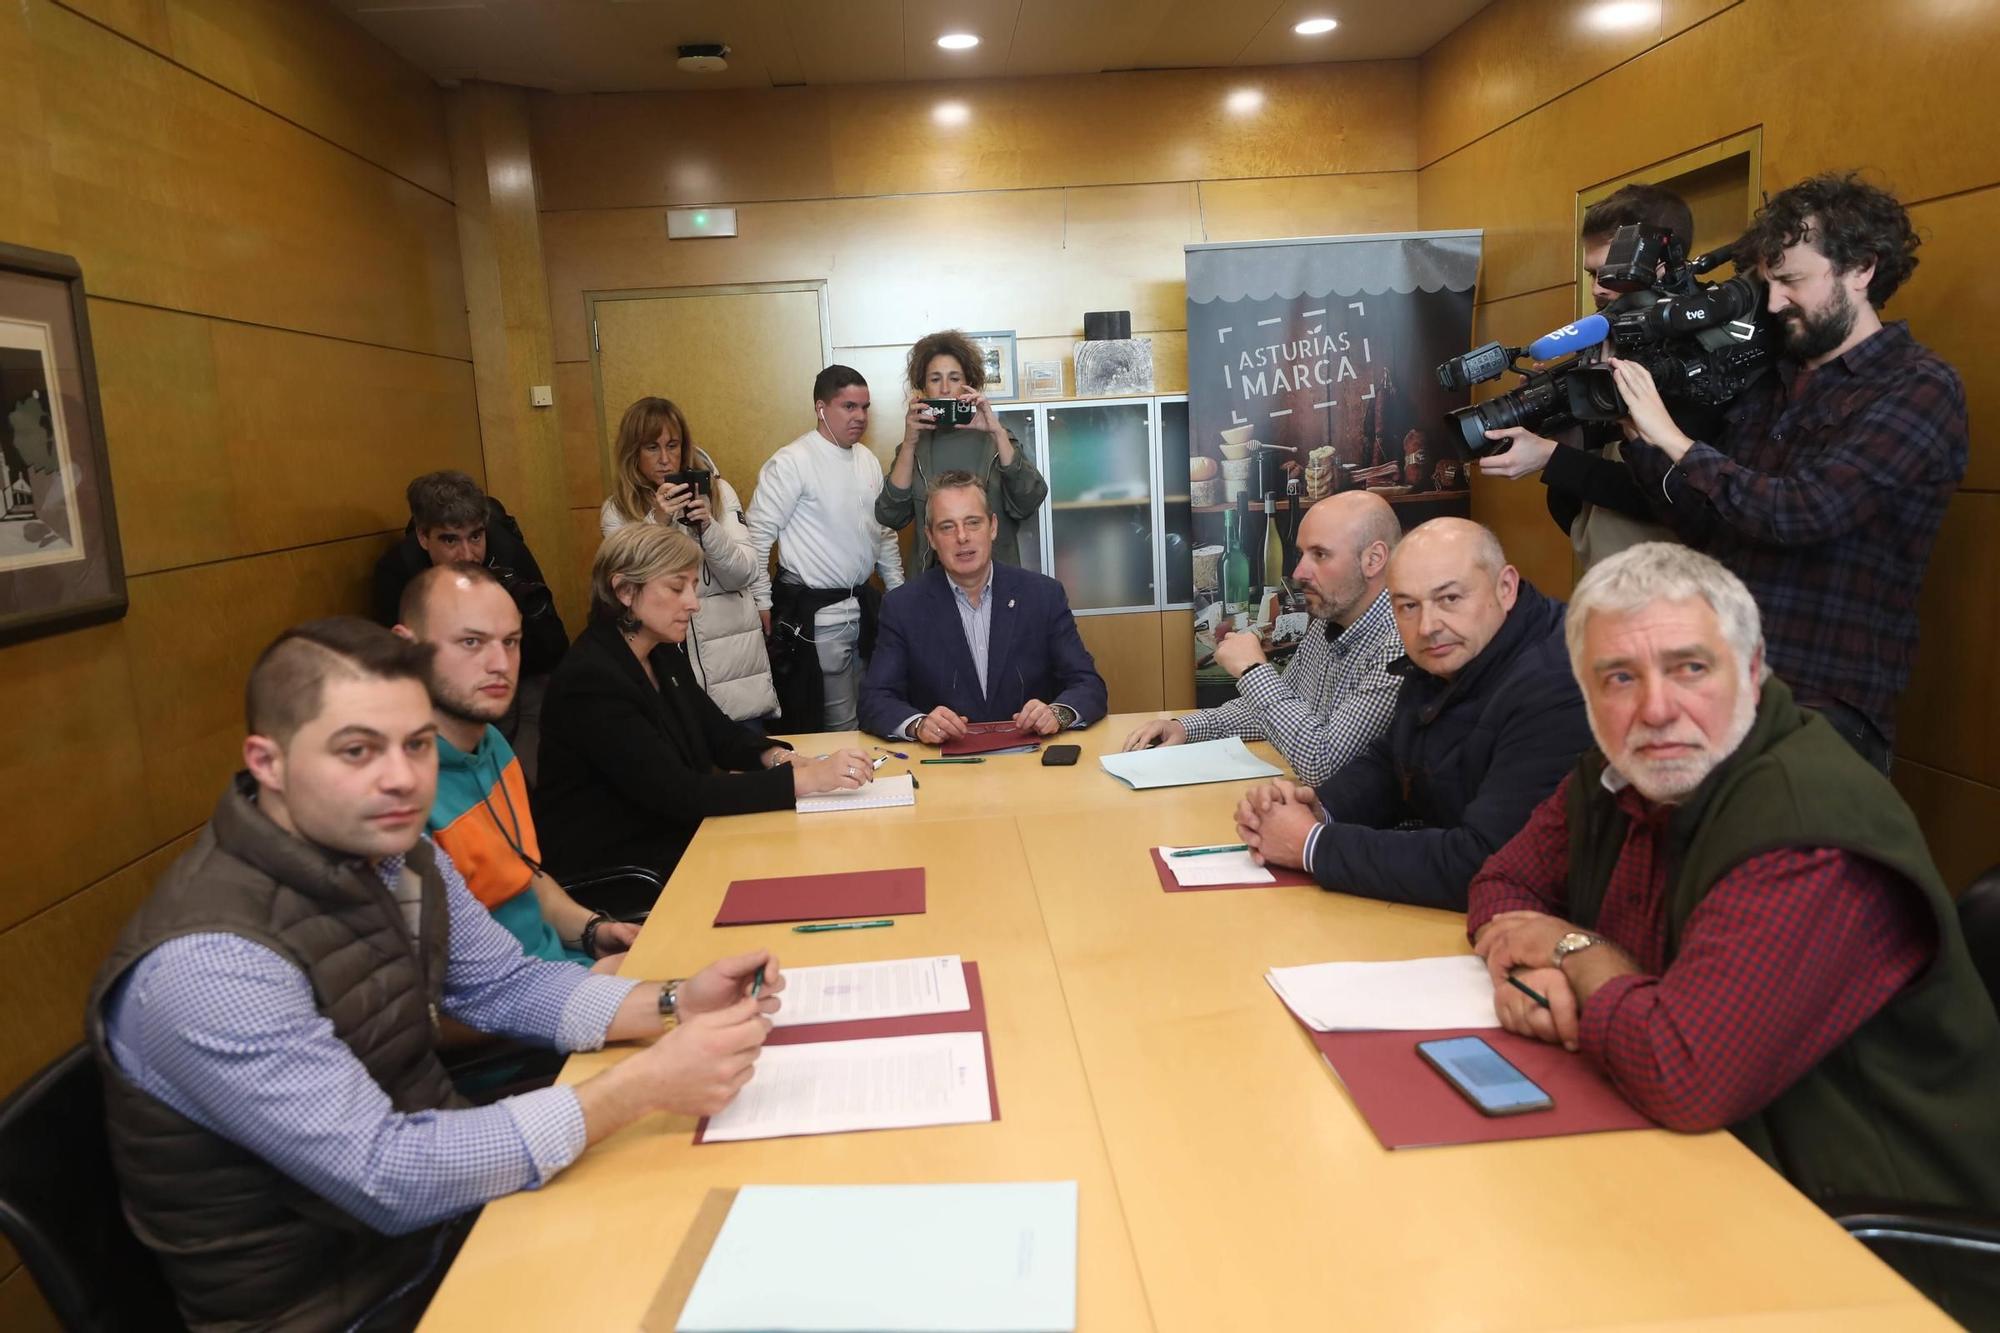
column 1908, row 1107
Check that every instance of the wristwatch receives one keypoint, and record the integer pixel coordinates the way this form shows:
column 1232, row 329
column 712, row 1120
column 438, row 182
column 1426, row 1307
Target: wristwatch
column 670, row 1005
column 1574, row 942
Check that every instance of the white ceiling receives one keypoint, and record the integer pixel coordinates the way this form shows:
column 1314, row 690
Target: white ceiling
column 628, row 45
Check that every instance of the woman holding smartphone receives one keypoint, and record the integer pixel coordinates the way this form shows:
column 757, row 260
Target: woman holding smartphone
column 946, row 367
column 659, row 478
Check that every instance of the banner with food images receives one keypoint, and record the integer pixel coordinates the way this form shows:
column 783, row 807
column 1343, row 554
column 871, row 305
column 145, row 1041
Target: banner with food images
column 1312, row 370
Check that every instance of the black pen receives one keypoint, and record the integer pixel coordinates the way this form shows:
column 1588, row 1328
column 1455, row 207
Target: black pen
column 1528, row 991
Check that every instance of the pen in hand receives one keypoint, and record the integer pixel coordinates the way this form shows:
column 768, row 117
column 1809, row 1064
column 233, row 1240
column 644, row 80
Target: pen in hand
column 757, row 983
column 1528, row 991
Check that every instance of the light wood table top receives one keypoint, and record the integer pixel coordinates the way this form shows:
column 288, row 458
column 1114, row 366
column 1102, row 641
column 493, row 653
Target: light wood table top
column 1226, row 1181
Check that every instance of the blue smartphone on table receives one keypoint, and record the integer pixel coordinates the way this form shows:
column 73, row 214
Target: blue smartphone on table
column 1483, row 1076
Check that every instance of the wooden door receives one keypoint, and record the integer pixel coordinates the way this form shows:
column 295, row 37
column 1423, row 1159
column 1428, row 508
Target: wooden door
column 739, row 361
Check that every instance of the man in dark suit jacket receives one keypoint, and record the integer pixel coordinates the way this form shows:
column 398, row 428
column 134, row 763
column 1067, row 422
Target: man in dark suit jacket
column 971, row 641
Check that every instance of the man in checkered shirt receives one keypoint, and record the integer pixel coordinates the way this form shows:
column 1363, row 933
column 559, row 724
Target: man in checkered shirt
column 1337, row 695
column 286, row 1139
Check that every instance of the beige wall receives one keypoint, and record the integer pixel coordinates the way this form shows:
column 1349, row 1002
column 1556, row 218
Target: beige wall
column 1525, row 105
column 1056, row 196
column 261, row 201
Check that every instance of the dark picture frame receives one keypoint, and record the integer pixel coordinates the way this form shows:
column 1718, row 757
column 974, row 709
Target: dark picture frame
column 61, row 565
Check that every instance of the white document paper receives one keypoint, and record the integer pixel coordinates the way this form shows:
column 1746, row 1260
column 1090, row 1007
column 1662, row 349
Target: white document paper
column 829, row 1087
column 844, row 1258
column 1226, row 760
column 1414, row 996
column 1214, row 868
column 877, row 795
column 845, row 992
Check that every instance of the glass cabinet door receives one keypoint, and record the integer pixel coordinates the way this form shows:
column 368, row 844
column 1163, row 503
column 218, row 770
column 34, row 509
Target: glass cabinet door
column 1176, row 517
column 1021, row 423
column 1100, row 473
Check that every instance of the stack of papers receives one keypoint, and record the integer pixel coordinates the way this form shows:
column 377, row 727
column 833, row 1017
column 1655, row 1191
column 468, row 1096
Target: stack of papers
column 1227, row 760
column 1420, row 995
column 830, row 1087
column 1213, row 868
column 877, row 795
column 850, row 992
column 843, row 1258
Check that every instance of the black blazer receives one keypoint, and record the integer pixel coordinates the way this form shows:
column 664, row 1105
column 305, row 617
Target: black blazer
column 628, row 772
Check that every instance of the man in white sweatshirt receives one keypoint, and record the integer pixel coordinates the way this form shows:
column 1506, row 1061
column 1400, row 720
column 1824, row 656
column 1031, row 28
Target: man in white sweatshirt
column 815, row 498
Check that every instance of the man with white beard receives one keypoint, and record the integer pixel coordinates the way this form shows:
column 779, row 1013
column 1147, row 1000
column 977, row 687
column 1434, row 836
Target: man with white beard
column 1734, row 916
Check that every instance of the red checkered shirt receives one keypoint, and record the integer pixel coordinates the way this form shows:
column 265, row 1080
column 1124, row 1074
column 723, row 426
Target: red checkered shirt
column 1787, row 955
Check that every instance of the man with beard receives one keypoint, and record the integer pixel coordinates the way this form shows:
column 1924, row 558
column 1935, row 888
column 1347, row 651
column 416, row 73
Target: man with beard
column 1830, row 476
column 480, row 815
column 1737, row 920
column 1335, row 697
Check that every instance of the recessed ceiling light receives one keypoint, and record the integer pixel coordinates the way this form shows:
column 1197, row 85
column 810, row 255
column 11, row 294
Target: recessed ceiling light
column 1314, row 27
column 1619, row 15
column 958, row 41
column 1244, row 101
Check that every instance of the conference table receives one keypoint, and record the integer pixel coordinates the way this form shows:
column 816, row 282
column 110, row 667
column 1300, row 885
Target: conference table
column 1225, row 1179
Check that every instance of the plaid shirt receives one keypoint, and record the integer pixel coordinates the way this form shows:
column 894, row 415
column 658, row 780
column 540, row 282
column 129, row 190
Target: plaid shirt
column 1784, row 959
column 230, row 1035
column 1333, row 701
column 1824, row 495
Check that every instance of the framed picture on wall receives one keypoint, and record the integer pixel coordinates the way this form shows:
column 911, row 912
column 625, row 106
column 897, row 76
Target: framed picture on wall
column 998, row 349
column 60, row 563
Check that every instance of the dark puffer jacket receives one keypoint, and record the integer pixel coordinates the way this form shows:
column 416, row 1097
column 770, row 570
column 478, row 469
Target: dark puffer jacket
column 1464, row 762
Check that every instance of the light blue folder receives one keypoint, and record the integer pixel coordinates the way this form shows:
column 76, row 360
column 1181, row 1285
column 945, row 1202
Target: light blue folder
column 1226, row 760
column 843, row 1258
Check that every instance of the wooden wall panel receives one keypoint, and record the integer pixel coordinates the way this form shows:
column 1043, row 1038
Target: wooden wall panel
column 1177, row 659
column 586, row 467
column 1715, row 80
column 267, row 439
column 72, row 768
column 50, row 960
column 636, row 150
column 197, row 631
column 1247, row 210
column 1952, row 303
column 176, row 193
column 1950, row 716
column 1129, row 655
column 1958, row 816
column 305, row 62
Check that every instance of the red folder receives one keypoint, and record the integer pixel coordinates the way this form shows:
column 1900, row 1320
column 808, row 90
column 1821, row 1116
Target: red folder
column 985, row 737
column 857, row 893
column 970, row 1019
column 1281, row 878
column 1409, row 1105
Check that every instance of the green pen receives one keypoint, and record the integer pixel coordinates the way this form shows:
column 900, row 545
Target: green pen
column 1528, row 991
column 840, row 925
column 757, row 983
column 956, row 759
column 1211, row 851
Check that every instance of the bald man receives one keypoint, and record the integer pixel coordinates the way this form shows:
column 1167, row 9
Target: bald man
column 1488, row 722
column 1334, row 699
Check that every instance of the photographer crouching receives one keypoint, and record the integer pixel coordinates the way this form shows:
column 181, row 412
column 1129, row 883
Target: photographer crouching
column 1827, row 482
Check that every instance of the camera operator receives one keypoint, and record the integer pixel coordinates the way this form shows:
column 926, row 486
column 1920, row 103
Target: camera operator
column 947, row 368
column 1824, row 489
column 1592, row 495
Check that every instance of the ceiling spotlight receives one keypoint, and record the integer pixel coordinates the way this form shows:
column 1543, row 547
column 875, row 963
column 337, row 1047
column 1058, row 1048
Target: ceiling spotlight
column 1314, row 27
column 1620, row 15
column 951, row 113
column 1244, row 101
column 702, row 57
column 958, row 41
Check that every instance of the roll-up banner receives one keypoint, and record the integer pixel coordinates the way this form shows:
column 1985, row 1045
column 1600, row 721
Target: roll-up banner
column 1311, row 370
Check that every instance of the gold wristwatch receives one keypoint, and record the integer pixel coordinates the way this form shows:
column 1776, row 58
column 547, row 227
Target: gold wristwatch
column 1574, row 942
column 670, row 1004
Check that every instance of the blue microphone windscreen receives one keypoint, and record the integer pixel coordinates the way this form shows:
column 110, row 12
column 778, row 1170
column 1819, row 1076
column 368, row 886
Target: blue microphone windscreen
column 1586, row 332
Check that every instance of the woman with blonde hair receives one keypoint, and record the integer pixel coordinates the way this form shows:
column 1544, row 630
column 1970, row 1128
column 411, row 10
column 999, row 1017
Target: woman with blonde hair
column 947, row 366
column 726, row 643
column 634, row 753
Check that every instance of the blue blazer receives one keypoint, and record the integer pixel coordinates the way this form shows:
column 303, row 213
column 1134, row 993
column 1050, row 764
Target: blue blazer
column 922, row 660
